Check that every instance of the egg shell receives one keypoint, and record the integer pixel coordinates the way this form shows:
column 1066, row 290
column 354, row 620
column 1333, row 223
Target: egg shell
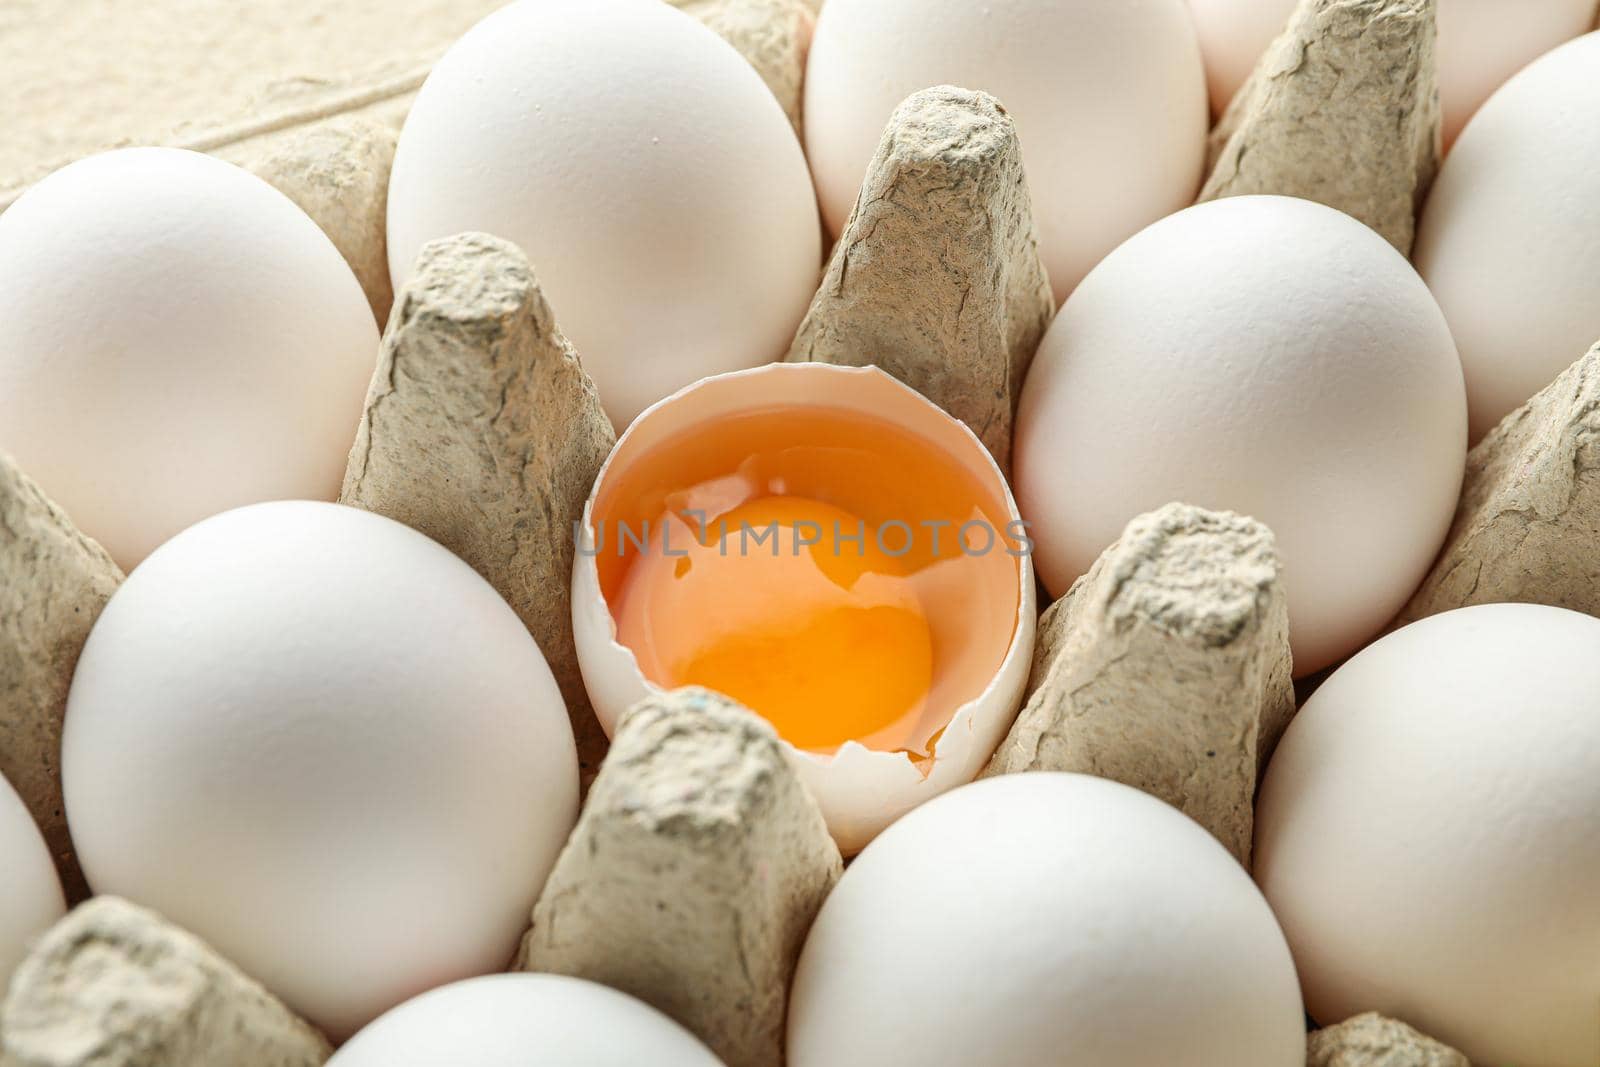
column 772, row 35
column 1427, row 833
column 1509, row 241
column 1233, row 36
column 1481, row 44
column 323, row 744
column 1108, row 96
column 643, row 166
column 30, row 893
column 513, row 1020
column 1041, row 919
column 860, row 790
column 176, row 338
column 1267, row 356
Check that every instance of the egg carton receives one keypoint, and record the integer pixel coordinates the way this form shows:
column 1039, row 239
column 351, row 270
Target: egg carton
column 1181, row 624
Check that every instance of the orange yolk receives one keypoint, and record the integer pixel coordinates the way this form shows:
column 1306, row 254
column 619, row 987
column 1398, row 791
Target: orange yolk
column 838, row 575
column 809, row 619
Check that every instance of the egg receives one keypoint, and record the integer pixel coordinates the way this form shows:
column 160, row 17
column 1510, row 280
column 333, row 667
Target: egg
column 825, row 546
column 1481, row 44
column 644, row 167
column 1108, row 95
column 1427, row 833
column 30, row 891
column 515, row 1020
column 1509, row 240
column 1039, row 919
column 177, row 338
column 323, row 744
column 1233, row 36
column 1263, row 355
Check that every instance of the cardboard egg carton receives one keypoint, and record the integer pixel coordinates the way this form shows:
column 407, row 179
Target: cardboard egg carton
column 310, row 98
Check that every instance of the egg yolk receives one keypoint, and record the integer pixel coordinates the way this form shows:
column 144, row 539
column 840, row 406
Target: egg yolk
column 845, row 579
column 807, row 619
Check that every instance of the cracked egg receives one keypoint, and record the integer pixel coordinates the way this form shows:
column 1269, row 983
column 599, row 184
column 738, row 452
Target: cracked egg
column 827, row 547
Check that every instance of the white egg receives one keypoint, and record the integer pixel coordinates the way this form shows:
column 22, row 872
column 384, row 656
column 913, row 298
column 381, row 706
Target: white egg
column 324, row 744
column 645, row 168
column 1233, row 36
column 1481, row 44
column 860, row 789
column 176, row 338
column 1041, row 919
column 522, row 1020
column 1509, row 240
column 1108, row 95
column 1263, row 355
column 30, row 891
column 1429, row 834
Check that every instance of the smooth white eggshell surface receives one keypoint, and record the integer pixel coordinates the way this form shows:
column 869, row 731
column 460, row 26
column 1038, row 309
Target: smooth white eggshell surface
column 1429, row 834
column 1233, row 36
column 176, row 338
column 1109, row 99
column 859, row 789
column 1263, row 355
column 1042, row 919
column 645, row 169
column 30, row 891
column 524, row 1020
column 324, row 744
column 1510, row 238
column 1481, row 44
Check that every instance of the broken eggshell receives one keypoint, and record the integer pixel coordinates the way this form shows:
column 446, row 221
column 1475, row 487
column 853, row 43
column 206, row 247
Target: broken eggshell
column 859, row 789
